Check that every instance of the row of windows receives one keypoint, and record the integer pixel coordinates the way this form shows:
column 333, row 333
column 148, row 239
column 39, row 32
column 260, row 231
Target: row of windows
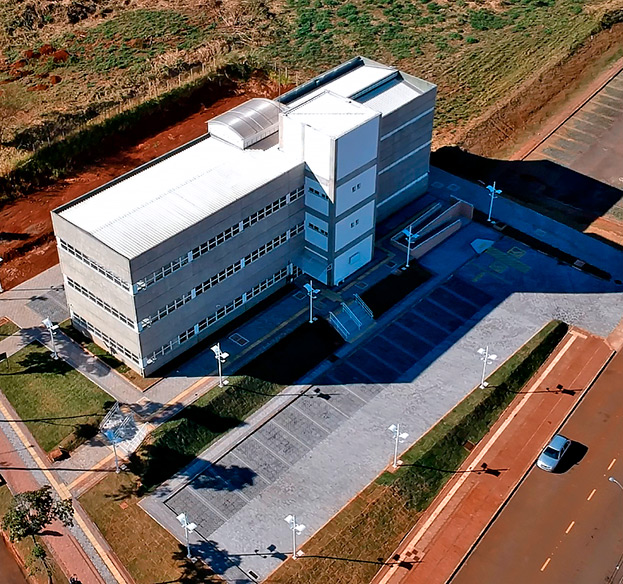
column 223, row 274
column 218, row 239
column 93, row 264
column 112, row 345
column 222, row 312
column 318, row 193
column 107, row 307
column 318, row 229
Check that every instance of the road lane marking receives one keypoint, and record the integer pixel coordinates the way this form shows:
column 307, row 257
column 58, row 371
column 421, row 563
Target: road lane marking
column 570, row 527
column 591, row 495
column 612, row 463
column 492, row 440
column 545, row 564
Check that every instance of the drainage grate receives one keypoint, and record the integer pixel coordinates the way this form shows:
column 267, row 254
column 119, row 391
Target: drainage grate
column 254, row 575
column 361, row 285
column 453, row 187
column 300, row 295
column 239, row 339
column 391, row 265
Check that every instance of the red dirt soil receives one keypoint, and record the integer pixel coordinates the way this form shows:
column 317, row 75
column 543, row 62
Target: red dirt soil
column 26, row 239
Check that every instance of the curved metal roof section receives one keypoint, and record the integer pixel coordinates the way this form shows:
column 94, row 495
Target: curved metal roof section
column 247, row 123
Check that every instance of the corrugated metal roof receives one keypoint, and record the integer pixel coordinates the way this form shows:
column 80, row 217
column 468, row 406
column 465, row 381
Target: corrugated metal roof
column 137, row 213
column 390, row 96
column 250, row 122
column 351, row 83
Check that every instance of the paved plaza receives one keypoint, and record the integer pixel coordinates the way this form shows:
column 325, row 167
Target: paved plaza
column 317, row 452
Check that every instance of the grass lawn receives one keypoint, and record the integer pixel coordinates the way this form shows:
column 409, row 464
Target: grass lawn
column 390, row 290
column 7, row 328
column 24, row 549
column 114, row 363
column 351, row 548
column 59, row 405
column 113, row 505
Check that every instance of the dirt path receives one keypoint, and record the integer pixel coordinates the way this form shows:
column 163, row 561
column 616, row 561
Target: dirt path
column 26, row 240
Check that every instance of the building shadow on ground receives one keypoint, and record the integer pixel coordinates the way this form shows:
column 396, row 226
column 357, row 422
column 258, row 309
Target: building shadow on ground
column 554, row 190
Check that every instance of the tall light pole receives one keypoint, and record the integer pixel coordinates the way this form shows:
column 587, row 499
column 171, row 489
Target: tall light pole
column 188, row 528
column 398, row 439
column 493, row 193
column 52, row 328
column 487, row 359
column 408, row 233
column 312, row 293
column 296, row 528
column 613, row 480
column 221, row 357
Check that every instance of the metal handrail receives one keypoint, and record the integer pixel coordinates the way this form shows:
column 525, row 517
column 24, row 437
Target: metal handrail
column 363, row 305
column 335, row 321
column 350, row 313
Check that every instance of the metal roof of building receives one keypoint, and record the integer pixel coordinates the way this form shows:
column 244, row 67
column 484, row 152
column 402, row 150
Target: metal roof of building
column 331, row 114
column 247, row 123
column 390, row 96
column 351, row 83
column 139, row 212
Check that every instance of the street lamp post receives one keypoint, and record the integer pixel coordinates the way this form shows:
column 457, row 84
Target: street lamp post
column 312, row 293
column 408, row 233
column 398, row 439
column 487, row 359
column 188, row 529
column 52, row 328
column 221, row 357
column 493, row 193
column 296, row 528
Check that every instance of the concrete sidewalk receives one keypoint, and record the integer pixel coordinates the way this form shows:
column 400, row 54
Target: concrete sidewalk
column 447, row 531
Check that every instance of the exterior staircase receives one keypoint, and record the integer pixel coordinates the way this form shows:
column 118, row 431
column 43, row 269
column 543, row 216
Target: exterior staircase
column 352, row 318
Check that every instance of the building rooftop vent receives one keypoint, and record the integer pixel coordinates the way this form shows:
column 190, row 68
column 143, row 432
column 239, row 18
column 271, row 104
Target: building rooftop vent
column 247, row 123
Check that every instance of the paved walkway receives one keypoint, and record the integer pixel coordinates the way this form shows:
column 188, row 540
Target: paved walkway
column 448, row 530
column 79, row 550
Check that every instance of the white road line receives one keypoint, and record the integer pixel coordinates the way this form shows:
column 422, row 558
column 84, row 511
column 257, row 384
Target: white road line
column 612, row 463
column 444, row 502
column 591, row 495
column 570, row 527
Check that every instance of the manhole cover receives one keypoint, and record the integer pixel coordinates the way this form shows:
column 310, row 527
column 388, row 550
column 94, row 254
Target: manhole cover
column 361, row 285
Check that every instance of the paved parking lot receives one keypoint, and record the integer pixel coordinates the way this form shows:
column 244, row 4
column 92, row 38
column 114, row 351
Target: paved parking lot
column 317, row 453
column 221, row 491
column 591, row 143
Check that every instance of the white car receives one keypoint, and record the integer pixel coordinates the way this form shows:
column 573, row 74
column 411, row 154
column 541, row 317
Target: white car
column 553, row 453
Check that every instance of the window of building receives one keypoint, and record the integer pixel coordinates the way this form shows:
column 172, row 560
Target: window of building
column 354, row 223
column 320, row 230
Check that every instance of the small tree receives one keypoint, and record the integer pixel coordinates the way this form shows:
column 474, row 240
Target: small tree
column 30, row 513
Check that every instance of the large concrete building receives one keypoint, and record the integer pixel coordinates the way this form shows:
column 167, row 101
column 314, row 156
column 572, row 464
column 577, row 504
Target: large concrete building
column 163, row 256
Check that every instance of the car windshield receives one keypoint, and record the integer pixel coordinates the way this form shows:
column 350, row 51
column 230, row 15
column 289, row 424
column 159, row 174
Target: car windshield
column 551, row 452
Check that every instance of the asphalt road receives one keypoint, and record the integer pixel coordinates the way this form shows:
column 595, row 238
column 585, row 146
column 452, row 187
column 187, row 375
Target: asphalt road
column 565, row 527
